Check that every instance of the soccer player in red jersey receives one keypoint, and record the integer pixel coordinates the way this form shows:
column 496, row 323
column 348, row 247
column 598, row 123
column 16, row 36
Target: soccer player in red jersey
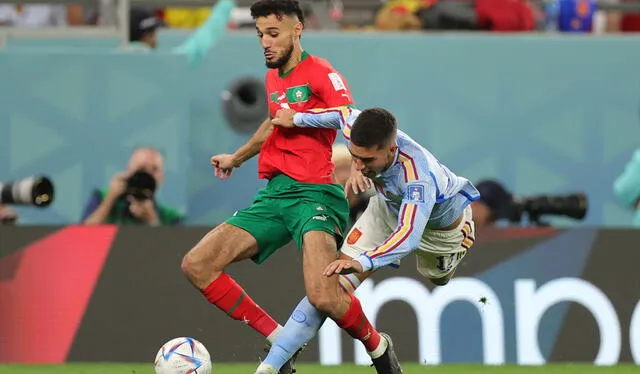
column 299, row 203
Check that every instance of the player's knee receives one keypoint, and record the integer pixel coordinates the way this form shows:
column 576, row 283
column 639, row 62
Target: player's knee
column 324, row 302
column 197, row 271
column 189, row 267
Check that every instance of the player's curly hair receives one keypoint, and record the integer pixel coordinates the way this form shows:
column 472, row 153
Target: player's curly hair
column 264, row 8
column 374, row 127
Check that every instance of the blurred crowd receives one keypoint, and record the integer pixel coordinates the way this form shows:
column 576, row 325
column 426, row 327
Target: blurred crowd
column 428, row 15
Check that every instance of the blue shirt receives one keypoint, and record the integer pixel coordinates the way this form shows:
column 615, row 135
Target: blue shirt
column 421, row 191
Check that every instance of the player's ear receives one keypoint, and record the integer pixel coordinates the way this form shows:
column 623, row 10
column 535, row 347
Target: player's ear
column 298, row 29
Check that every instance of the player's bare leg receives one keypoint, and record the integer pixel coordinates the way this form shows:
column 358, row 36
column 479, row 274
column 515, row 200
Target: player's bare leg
column 326, row 298
column 220, row 247
column 325, row 294
column 302, row 326
column 204, row 266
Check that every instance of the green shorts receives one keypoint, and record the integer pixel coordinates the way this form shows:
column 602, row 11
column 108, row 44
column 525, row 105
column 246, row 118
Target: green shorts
column 285, row 210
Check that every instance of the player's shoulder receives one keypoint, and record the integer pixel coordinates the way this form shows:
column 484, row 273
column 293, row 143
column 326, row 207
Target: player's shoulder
column 421, row 158
column 410, row 146
column 319, row 63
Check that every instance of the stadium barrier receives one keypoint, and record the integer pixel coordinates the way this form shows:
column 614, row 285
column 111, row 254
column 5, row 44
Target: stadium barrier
column 525, row 296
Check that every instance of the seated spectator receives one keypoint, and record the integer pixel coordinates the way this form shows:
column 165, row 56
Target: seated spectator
column 479, row 15
column 143, row 26
column 125, row 204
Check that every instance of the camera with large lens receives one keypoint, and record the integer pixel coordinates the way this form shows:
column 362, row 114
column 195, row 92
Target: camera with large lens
column 141, row 186
column 573, row 205
column 36, row 191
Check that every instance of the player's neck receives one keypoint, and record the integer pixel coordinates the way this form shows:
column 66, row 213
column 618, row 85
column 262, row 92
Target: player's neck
column 393, row 160
column 294, row 60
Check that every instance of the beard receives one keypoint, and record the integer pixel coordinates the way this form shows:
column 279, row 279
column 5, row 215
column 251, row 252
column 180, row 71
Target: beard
column 282, row 61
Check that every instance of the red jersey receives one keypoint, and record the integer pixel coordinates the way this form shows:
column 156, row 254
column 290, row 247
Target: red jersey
column 303, row 154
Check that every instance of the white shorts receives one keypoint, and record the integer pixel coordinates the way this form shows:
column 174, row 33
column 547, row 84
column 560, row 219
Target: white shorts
column 438, row 253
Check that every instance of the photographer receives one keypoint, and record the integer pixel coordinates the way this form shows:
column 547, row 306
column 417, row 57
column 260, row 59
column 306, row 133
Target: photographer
column 497, row 204
column 494, row 203
column 129, row 199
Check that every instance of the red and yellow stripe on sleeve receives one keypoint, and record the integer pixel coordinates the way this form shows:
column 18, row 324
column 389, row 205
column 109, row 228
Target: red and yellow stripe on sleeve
column 403, row 231
column 343, row 111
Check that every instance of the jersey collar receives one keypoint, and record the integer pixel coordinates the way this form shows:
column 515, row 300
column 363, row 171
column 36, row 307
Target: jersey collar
column 303, row 56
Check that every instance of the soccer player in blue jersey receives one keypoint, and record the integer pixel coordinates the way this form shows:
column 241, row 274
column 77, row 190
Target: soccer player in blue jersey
column 420, row 207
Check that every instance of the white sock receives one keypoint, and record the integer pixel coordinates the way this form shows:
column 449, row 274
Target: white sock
column 274, row 334
column 266, row 369
column 382, row 347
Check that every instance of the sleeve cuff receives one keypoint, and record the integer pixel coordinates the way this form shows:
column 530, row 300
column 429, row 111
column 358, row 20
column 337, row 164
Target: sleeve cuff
column 365, row 261
column 297, row 119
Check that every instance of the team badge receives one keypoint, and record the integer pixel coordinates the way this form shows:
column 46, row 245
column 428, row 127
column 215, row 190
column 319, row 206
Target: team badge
column 354, row 236
column 416, row 193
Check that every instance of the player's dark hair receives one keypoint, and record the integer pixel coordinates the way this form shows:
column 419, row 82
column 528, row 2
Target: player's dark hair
column 374, row 127
column 280, row 8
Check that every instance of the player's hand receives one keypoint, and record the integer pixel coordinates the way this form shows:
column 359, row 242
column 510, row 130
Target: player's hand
column 284, row 118
column 224, row 165
column 342, row 267
column 357, row 183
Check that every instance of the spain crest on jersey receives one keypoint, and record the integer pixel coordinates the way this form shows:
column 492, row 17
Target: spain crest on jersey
column 416, row 193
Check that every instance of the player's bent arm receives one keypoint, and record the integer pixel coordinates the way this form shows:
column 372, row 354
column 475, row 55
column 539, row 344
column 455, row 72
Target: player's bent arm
column 341, row 118
column 412, row 220
column 252, row 147
column 627, row 186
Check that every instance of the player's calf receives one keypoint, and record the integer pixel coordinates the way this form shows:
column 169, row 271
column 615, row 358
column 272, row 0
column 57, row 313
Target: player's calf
column 324, row 293
column 204, row 265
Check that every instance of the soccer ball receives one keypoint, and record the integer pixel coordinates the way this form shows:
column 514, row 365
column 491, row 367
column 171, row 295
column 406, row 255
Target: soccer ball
column 183, row 356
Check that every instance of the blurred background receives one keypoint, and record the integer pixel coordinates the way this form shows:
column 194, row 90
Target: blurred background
column 544, row 95
column 109, row 114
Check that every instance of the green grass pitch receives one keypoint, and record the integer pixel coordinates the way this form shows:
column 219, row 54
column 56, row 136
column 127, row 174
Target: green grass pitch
column 317, row 369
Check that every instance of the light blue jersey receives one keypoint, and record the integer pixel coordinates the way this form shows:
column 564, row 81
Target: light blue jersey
column 421, row 191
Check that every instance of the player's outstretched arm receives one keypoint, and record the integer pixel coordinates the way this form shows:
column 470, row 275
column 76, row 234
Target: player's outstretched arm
column 225, row 163
column 329, row 118
column 414, row 214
